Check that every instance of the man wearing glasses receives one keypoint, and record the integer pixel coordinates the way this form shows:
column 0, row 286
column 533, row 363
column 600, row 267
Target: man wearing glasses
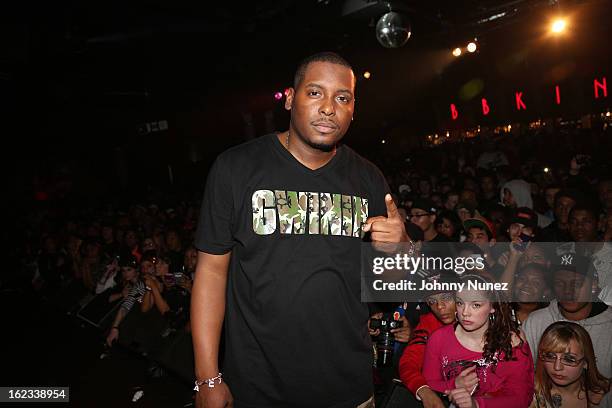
column 423, row 213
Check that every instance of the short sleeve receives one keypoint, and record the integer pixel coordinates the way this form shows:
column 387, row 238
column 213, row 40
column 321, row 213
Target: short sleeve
column 381, row 188
column 214, row 233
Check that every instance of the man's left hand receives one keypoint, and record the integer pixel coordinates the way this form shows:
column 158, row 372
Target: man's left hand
column 387, row 229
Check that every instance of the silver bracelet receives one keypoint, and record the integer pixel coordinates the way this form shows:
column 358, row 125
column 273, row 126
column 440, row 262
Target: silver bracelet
column 209, row 381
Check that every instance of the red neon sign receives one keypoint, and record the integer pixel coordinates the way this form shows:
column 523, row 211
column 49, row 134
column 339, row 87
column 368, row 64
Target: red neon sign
column 600, row 88
column 454, row 112
column 519, row 101
column 597, row 85
column 485, row 107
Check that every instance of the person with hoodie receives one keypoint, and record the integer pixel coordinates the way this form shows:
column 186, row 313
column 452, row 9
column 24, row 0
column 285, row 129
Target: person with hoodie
column 517, row 193
column 572, row 285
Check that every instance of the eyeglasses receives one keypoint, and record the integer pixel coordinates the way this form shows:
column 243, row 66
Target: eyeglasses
column 443, row 298
column 419, row 215
column 566, row 359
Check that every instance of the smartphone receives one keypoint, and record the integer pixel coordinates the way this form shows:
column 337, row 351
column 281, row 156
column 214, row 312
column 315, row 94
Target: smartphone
column 525, row 241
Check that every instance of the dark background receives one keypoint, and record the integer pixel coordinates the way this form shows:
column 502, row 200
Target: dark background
column 79, row 80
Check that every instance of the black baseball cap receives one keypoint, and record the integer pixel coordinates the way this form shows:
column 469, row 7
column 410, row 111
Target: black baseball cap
column 128, row 261
column 424, row 204
column 525, row 216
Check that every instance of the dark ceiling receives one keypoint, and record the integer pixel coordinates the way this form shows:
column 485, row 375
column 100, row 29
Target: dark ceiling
column 101, row 68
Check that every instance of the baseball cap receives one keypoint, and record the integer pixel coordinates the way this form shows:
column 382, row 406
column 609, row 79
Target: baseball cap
column 128, row 261
column 572, row 262
column 525, row 216
column 480, row 222
column 424, row 204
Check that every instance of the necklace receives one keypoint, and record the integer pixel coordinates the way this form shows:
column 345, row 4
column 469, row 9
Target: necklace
column 287, row 140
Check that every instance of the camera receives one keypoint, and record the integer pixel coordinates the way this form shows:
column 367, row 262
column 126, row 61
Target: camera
column 385, row 342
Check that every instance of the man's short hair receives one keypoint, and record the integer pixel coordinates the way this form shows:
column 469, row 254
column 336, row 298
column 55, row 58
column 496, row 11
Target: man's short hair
column 587, row 207
column 326, row 56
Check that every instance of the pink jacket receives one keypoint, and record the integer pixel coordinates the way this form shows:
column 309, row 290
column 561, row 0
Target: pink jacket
column 510, row 386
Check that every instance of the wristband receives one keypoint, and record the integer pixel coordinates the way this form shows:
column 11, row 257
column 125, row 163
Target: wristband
column 210, row 382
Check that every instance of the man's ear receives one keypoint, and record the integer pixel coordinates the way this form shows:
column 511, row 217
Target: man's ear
column 289, row 98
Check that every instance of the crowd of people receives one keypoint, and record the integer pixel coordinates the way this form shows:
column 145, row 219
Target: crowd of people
column 503, row 195
column 544, row 230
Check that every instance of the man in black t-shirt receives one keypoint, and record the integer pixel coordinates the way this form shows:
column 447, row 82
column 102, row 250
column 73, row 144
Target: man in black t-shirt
column 279, row 237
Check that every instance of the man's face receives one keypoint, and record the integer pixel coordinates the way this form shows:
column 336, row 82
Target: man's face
column 605, row 193
column 530, row 285
column 451, row 202
column 478, row 236
column 422, row 218
column 322, row 105
column 147, row 268
column 583, row 226
column 487, row 184
column 549, row 194
column 572, row 290
column 516, row 229
column 562, row 209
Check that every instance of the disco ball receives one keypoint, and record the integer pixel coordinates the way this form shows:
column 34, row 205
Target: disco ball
column 393, row 30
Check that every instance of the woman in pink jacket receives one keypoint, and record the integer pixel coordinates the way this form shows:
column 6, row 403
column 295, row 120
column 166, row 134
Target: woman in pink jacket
column 481, row 361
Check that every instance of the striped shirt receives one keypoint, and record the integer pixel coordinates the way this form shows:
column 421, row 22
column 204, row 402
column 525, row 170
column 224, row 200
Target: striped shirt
column 135, row 295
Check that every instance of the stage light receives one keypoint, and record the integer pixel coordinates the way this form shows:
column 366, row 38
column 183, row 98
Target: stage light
column 383, row 141
column 457, row 52
column 558, row 26
column 471, row 47
column 367, row 75
column 278, row 96
column 546, row 169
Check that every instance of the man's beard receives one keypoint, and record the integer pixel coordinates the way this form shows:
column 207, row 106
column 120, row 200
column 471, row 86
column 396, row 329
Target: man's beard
column 324, row 147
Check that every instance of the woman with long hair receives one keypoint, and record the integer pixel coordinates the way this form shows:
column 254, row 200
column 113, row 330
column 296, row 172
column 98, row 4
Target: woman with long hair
column 482, row 360
column 566, row 372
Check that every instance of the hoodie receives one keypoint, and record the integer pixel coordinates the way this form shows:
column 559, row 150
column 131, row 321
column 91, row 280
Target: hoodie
column 599, row 328
column 521, row 192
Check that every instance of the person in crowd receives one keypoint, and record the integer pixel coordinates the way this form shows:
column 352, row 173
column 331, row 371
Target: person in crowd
column 110, row 246
column 423, row 213
column 451, row 199
column 131, row 244
column 558, row 230
column 92, row 263
column 531, row 290
column 489, row 192
column 516, row 194
column 190, row 261
column 135, row 288
column 604, row 191
column 566, row 370
column 441, row 302
column 550, row 192
column 481, row 232
column 482, row 361
column 174, row 248
column 447, row 223
column 583, row 223
column 572, row 283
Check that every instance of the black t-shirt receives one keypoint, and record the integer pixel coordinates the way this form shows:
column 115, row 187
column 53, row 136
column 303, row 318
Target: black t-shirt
column 296, row 331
